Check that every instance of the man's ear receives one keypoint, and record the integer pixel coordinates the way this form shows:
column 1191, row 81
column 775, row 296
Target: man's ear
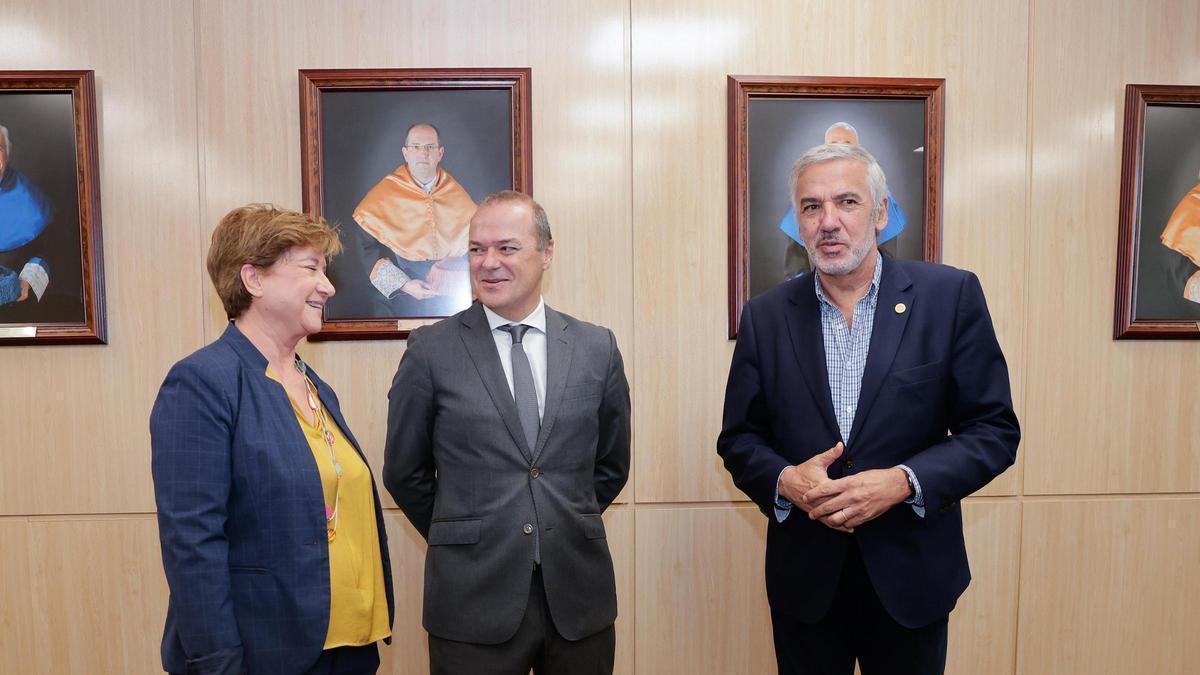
column 548, row 255
column 882, row 219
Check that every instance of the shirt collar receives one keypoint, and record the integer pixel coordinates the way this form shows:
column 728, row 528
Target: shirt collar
column 536, row 318
column 427, row 187
column 870, row 291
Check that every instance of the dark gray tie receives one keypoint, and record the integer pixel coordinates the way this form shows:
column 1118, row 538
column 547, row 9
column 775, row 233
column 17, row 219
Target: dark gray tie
column 524, row 391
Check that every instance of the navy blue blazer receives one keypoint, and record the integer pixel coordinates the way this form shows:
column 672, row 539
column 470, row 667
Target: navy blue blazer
column 935, row 396
column 241, row 516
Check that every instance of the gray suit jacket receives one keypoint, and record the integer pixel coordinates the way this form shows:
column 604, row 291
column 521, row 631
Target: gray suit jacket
column 457, row 463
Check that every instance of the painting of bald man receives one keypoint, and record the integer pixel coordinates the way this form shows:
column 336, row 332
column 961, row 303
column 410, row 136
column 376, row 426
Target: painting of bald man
column 774, row 120
column 398, row 159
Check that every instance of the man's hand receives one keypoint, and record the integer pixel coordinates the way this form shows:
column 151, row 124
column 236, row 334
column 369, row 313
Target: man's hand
column 418, row 289
column 24, row 291
column 846, row 503
column 798, row 480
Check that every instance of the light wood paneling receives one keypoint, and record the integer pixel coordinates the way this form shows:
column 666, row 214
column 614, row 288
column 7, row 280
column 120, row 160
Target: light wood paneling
column 1110, row 587
column 249, row 119
column 701, row 600
column 18, row 634
column 620, row 526
column 79, row 413
column 409, row 652
column 89, row 596
column 681, row 52
column 983, row 627
column 1103, row 416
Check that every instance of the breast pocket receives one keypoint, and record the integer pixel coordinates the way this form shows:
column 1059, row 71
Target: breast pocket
column 917, row 375
column 582, row 392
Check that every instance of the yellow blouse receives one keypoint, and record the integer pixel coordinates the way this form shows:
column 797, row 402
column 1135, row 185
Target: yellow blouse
column 358, row 611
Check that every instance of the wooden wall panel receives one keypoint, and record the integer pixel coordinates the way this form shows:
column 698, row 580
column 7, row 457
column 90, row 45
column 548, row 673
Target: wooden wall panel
column 95, row 596
column 1103, row 416
column 681, row 53
column 1109, row 586
column 983, row 627
column 249, row 116
column 79, row 413
column 409, row 652
column 701, row 601
column 17, row 616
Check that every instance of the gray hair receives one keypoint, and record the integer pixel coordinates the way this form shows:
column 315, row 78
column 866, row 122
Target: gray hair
column 7, row 142
column 541, row 222
column 828, row 152
column 841, row 125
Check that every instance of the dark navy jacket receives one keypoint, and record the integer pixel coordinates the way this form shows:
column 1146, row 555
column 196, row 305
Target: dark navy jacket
column 935, row 396
column 241, row 516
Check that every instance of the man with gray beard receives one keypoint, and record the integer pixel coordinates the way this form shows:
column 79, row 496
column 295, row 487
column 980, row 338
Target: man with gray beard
column 864, row 402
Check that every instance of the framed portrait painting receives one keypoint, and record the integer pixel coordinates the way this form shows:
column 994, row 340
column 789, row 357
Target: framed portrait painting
column 51, row 265
column 1158, row 243
column 398, row 160
column 774, row 120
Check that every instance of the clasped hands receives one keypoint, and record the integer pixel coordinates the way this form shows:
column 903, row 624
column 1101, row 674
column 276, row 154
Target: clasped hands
column 845, row 503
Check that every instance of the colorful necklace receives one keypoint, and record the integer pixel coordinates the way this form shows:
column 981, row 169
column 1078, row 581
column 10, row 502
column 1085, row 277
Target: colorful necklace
column 331, row 513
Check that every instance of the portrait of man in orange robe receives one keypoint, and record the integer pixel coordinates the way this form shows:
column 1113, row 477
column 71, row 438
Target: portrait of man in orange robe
column 417, row 217
column 1182, row 235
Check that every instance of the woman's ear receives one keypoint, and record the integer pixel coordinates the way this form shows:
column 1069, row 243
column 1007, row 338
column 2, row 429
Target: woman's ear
column 252, row 280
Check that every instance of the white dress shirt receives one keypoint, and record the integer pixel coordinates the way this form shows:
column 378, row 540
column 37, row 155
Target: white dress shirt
column 534, row 343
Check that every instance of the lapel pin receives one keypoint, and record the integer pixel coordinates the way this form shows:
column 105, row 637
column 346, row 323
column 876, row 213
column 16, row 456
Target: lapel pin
column 900, row 308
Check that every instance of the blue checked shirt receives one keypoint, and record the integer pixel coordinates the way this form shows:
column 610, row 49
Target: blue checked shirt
column 846, row 348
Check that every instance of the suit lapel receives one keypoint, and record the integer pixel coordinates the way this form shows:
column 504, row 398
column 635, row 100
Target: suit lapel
column 895, row 288
column 560, row 348
column 808, row 342
column 481, row 347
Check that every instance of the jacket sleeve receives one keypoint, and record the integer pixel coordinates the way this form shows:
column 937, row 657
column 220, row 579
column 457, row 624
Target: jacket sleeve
column 191, row 434
column 612, row 448
column 745, row 439
column 984, row 432
column 409, row 473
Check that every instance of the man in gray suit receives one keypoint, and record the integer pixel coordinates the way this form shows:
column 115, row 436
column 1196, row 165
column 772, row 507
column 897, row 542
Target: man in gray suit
column 508, row 436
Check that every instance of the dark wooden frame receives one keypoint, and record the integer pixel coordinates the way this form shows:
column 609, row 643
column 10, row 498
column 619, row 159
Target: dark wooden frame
column 743, row 88
column 314, row 82
column 80, row 84
column 1125, row 327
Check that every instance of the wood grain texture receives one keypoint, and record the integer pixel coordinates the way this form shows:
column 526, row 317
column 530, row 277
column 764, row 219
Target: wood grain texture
column 1109, row 587
column 701, row 601
column 983, row 626
column 681, row 53
column 80, row 412
column 1102, row 416
column 87, row 595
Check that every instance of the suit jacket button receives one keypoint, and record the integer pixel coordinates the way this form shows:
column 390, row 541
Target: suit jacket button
column 527, row 528
column 849, row 464
column 535, row 472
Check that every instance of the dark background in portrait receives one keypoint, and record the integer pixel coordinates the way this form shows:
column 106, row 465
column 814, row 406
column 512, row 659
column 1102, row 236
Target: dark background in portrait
column 41, row 127
column 1171, row 166
column 780, row 130
column 362, row 133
